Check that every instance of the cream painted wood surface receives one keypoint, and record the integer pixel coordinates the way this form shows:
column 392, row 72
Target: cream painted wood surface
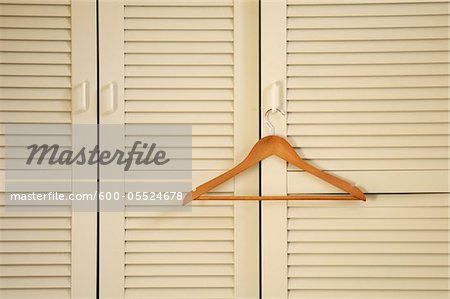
column 366, row 95
column 395, row 246
column 368, row 99
column 185, row 62
column 47, row 50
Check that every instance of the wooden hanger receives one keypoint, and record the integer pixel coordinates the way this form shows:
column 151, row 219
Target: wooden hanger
column 280, row 147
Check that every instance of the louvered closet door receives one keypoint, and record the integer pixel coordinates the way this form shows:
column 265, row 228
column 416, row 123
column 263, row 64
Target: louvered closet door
column 47, row 49
column 195, row 63
column 365, row 87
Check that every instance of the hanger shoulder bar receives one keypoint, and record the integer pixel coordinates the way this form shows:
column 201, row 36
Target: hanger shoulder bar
column 286, row 152
column 259, row 152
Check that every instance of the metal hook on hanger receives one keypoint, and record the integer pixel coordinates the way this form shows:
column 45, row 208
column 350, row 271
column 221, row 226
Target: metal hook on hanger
column 276, row 102
column 267, row 120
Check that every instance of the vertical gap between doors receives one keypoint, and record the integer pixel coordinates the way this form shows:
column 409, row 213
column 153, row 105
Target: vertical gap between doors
column 97, row 291
column 260, row 164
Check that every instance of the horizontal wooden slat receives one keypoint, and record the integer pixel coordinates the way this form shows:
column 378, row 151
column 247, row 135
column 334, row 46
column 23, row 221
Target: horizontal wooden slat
column 373, row 271
column 384, row 200
column 195, row 164
column 378, row 213
column 202, row 153
column 178, row 94
column 178, row 47
column 36, row 93
column 33, row 2
column 198, row 177
column 185, row 3
column 34, row 46
column 347, row 2
column 367, row 58
column 375, row 153
column 35, row 70
column 178, row 59
column 368, row 129
column 178, row 82
column 368, row 70
column 35, row 117
column 368, row 283
column 34, row 282
column 388, row 9
column 222, row 164
column 178, row 12
column 367, row 118
column 35, row 10
column 367, row 34
column 178, row 71
column 165, row 141
column 369, row 21
column 368, row 82
column 206, row 129
column 377, row 165
column 375, row 106
column 391, row 182
column 178, row 246
column 36, row 22
column 197, row 130
column 181, row 223
column 178, row 24
column 369, row 259
column 186, row 234
column 368, row 93
column 36, row 211
column 179, row 258
column 185, row 270
column 180, row 281
column 368, row 294
column 34, row 105
column 35, row 235
column 35, row 223
column 35, row 34
column 369, row 247
column 35, row 58
column 34, row 270
column 197, row 211
column 178, row 118
column 396, row 45
column 34, row 246
column 21, row 164
column 181, row 106
column 34, row 258
column 36, row 82
column 177, row 35
column 370, row 141
column 188, row 293
column 367, row 224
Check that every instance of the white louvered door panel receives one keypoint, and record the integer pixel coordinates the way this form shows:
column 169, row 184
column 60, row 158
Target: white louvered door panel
column 392, row 246
column 47, row 48
column 367, row 93
column 365, row 87
column 195, row 63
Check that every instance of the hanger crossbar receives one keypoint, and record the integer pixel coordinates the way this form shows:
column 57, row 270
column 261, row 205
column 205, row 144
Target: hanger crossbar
column 290, row 197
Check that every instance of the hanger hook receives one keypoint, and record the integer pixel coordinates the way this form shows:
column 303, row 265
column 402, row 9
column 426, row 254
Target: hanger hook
column 267, row 119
